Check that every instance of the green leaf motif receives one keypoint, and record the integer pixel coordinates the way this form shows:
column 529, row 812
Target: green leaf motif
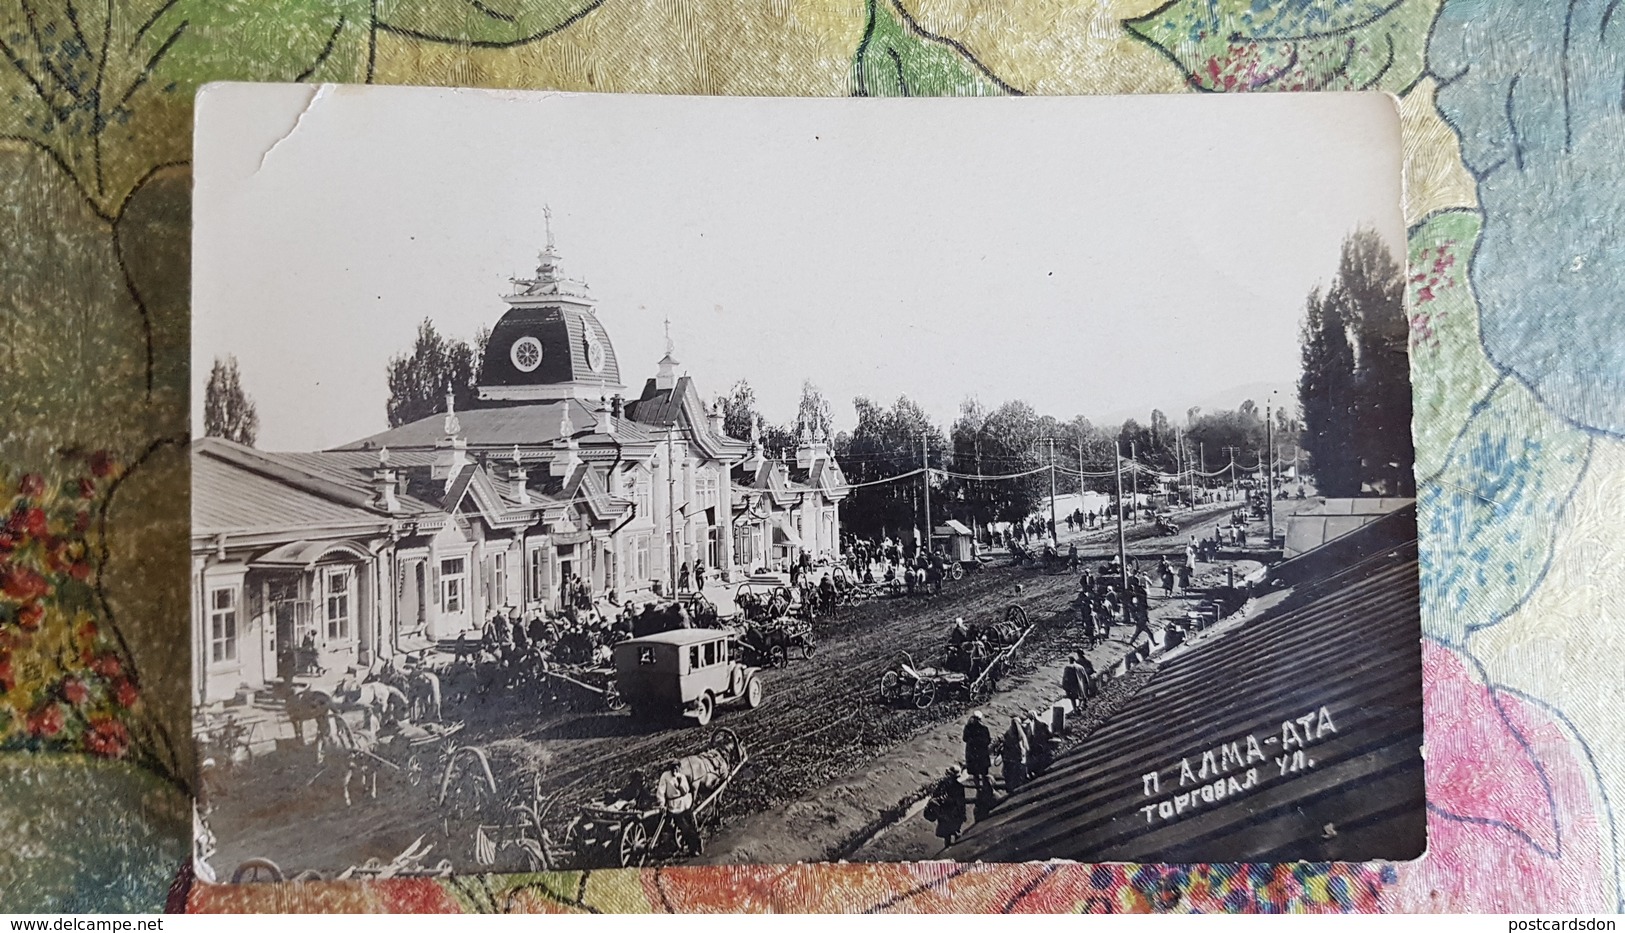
column 1292, row 45
column 107, row 89
column 898, row 58
column 1449, row 372
column 1488, row 520
column 481, row 23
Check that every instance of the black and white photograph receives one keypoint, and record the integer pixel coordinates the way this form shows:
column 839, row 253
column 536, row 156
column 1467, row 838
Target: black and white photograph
column 590, row 481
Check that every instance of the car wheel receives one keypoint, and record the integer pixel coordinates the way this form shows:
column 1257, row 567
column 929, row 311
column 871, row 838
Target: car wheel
column 753, row 693
column 704, row 710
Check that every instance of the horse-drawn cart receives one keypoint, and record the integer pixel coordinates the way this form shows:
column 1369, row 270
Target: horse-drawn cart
column 972, row 668
column 768, row 643
column 596, row 682
column 629, row 828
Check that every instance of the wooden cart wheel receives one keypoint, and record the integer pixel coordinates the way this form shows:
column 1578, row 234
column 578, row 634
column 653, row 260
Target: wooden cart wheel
column 958, row 573
column 925, row 693
column 1017, row 616
column 467, row 784
column 413, row 769
column 254, row 870
column 613, row 701
column 891, row 686
column 531, row 838
column 808, row 646
column 634, row 843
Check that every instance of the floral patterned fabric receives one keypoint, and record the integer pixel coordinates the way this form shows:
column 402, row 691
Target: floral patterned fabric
column 1514, row 192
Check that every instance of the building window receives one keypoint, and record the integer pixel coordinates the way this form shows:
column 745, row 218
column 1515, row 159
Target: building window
column 499, row 579
column 453, row 580
column 640, row 496
column 337, row 587
column 538, row 574
column 223, row 624
column 640, row 557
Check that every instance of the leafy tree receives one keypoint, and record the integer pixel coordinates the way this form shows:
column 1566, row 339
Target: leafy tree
column 1374, row 283
column 227, row 410
column 418, row 381
column 813, row 412
column 886, row 442
column 739, row 411
column 1355, row 388
column 1326, row 394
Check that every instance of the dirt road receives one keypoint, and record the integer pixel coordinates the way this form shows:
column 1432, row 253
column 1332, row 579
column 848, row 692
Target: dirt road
column 821, row 719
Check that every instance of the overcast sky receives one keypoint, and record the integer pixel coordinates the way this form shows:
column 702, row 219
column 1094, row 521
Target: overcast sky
column 1090, row 255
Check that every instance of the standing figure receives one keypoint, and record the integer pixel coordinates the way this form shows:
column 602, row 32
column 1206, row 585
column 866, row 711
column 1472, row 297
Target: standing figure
column 676, row 793
column 1075, row 681
column 682, row 577
column 1015, row 755
column 948, row 806
column 699, row 575
column 978, row 749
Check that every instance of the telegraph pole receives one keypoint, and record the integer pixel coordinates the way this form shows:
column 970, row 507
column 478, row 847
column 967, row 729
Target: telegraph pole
column 1122, row 551
column 671, row 512
column 925, row 479
column 1201, row 448
column 1269, row 468
column 1134, row 458
column 1054, row 533
column 1080, row 480
column 1232, row 451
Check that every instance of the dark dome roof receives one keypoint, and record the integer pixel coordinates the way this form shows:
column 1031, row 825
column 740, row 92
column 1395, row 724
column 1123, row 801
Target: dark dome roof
column 564, row 334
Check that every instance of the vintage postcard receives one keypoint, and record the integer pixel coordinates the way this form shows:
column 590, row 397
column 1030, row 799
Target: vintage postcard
column 590, row 480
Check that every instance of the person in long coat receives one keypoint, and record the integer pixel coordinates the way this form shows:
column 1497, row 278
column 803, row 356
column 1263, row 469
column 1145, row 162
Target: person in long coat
column 1015, row 755
column 978, row 749
column 949, row 799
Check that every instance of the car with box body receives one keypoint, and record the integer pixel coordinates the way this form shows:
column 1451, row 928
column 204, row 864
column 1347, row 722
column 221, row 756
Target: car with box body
column 686, row 672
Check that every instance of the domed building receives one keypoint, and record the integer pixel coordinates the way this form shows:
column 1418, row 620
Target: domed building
column 555, row 488
column 550, row 344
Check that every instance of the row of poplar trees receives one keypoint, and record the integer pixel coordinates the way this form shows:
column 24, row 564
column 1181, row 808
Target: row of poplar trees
column 1355, row 389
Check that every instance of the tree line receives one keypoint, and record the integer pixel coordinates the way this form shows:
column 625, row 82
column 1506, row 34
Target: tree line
column 1010, row 438
column 1355, row 385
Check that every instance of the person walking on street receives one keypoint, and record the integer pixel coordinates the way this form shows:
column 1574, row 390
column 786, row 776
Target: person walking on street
column 1015, row 755
column 1075, row 681
column 699, row 575
column 978, row 749
column 947, row 807
column 676, row 793
column 1041, row 745
column 682, row 578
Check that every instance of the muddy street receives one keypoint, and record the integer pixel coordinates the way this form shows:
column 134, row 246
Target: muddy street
column 822, row 718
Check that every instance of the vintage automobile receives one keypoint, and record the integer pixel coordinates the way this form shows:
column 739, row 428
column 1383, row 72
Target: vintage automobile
column 686, row 672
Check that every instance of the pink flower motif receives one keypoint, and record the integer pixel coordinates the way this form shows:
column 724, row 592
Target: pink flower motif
column 1511, row 823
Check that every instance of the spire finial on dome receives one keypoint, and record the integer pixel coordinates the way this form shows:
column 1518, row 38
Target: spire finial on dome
column 452, row 425
column 669, row 345
column 547, row 223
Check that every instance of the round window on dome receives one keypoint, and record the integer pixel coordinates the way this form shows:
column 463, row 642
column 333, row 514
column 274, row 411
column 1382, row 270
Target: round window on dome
column 526, row 354
column 595, row 352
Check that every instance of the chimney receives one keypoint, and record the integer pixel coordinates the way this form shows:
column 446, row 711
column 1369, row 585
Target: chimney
column 716, row 418
column 603, row 419
column 383, row 484
column 617, row 406
column 569, row 456
column 754, row 461
column 451, row 452
column 519, row 477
